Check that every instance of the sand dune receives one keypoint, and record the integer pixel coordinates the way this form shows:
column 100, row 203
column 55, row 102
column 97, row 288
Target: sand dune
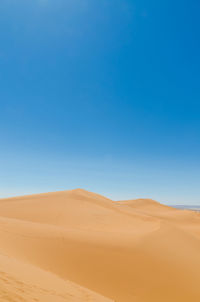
column 22, row 282
column 80, row 246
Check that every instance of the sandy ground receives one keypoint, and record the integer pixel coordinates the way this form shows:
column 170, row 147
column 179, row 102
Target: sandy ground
column 80, row 246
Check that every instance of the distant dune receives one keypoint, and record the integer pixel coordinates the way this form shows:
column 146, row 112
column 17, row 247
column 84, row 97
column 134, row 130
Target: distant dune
column 80, row 246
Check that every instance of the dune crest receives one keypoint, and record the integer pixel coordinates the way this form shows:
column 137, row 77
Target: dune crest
column 80, row 246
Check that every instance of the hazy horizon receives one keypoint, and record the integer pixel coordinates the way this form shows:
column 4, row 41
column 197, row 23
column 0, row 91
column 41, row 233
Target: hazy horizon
column 178, row 205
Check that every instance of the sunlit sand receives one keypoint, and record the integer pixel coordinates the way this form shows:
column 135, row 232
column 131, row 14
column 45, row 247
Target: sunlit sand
column 80, row 246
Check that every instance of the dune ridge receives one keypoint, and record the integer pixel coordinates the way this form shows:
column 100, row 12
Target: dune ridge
column 80, row 246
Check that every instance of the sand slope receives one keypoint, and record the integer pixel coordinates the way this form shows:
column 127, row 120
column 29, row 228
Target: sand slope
column 80, row 246
column 21, row 282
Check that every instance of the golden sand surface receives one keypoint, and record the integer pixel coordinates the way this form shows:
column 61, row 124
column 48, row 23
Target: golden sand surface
column 80, row 246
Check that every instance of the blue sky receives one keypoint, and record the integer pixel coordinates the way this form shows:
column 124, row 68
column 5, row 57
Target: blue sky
column 102, row 95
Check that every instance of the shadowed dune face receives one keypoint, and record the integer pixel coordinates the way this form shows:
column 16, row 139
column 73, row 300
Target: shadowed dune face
column 80, row 246
column 20, row 282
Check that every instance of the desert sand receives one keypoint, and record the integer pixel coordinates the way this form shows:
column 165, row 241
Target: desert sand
column 80, row 246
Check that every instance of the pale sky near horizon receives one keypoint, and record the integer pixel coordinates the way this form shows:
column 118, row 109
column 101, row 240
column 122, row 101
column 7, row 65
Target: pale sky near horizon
column 101, row 95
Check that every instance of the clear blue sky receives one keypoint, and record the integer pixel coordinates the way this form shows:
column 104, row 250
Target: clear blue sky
column 102, row 95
